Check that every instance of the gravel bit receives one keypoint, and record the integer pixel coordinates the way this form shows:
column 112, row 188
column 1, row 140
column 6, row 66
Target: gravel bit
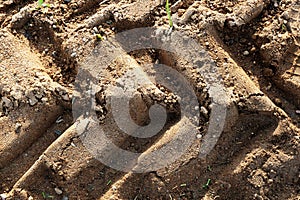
column 58, row 191
column 246, row 53
column 18, row 128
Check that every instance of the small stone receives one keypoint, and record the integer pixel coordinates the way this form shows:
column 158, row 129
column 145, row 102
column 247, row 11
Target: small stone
column 30, row 198
column 253, row 49
column 258, row 197
column 3, row 196
column 45, row 99
column 270, row 181
column 58, row 191
column 297, row 112
column 199, row 136
column 33, row 101
column 7, row 102
column 18, row 128
column 67, row 1
column 246, row 53
column 204, row 110
column 16, row 94
column 31, row 98
column 95, row 29
column 65, row 97
column 65, row 198
column 54, row 53
column 74, row 54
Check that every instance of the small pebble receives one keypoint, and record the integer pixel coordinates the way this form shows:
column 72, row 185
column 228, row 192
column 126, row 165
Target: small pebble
column 66, row 97
column 17, row 94
column 246, row 53
column 270, row 181
column 74, row 54
column 45, row 99
column 54, row 53
column 33, row 101
column 204, row 110
column 18, row 128
column 297, row 112
column 258, row 197
column 58, row 191
column 253, row 49
column 3, row 196
column 65, row 198
column 7, row 102
column 95, row 29
column 199, row 136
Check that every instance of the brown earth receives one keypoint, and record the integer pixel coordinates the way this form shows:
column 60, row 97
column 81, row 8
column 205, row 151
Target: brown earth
column 256, row 47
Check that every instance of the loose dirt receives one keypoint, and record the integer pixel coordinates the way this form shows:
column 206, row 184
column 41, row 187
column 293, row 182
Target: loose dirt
column 255, row 45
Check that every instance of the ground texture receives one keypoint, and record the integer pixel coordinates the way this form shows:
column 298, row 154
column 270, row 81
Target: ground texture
column 255, row 45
